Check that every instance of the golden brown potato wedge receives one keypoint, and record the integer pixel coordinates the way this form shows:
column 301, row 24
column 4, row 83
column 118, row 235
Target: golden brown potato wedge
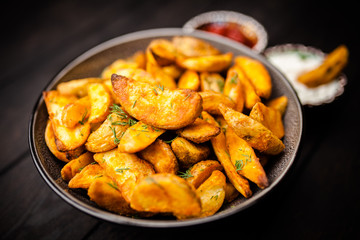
column 163, row 51
column 77, row 87
column 214, row 63
column 108, row 135
column 74, row 166
column 199, row 131
column 160, row 155
column 138, row 137
column 244, row 159
column 166, row 193
column 279, row 103
column 230, row 192
column 105, row 193
column 219, row 145
column 138, row 75
column 55, row 103
column 269, row 117
column 198, row 173
column 331, row 67
column 233, row 88
column 50, row 143
column 189, row 153
column 156, row 106
column 212, row 81
column 256, row 72
column 100, row 100
column 76, row 112
column 118, row 65
column 189, row 80
column 126, row 169
column 193, row 47
column 211, row 101
column 212, row 193
column 253, row 132
column 86, row 176
column 160, row 76
column 172, row 70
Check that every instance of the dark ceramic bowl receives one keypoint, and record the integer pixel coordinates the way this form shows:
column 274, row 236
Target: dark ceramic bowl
column 92, row 62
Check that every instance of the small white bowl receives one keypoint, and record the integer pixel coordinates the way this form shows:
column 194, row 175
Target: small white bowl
column 232, row 17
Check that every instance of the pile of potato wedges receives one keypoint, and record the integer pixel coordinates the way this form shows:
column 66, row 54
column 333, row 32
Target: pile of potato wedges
column 178, row 128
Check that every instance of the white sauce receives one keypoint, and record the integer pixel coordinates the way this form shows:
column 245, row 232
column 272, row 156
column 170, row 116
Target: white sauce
column 292, row 64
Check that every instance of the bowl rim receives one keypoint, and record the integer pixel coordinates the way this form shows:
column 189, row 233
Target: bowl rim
column 151, row 223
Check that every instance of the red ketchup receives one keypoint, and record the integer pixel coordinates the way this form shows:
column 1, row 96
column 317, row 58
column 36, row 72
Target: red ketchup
column 230, row 30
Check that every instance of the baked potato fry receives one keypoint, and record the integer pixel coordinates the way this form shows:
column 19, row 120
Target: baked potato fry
column 126, row 169
column 253, row 132
column 138, row 137
column 105, row 193
column 219, row 145
column 212, row 81
column 279, row 103
column 256, row 72
column 189, row 80
column 331, row 67
column 202, row 170
column 74, row 166
column 76, row 112
column 77, row 87
column 100, row 100
column 230, row 192
column 55, row 102
column 138, row 75
column 86, row 176
column 172, row 70
column 212, row 193
column 211, row 101
column 166, row 193
column 189, row 153
column 213, row 63
column 118, row 65
column 50, row 143
column 244, row 159
column 160, row 155
column 199, row 131
column 233, row 88
column 157, row 106
column 163, row 51
column 193, row 47
column 269, row 117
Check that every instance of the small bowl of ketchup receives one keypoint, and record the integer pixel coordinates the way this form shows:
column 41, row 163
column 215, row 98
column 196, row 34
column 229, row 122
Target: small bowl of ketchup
column 233, row 25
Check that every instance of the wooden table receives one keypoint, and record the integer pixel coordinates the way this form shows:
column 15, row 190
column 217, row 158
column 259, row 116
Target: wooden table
column 320, row 198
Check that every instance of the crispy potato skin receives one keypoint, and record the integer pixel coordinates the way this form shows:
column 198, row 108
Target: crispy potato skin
column 74, row 166
column 253, row 132
column 199, row 131
column 212, row 193
column 100, row 102
column 243, row 157
column 201, row 171
column 160, row 155
column 166, row 193
column 166, row 109
column 189, row 153
column 50, row 143
column 86, row 176
column 214, row 63
column 211, row 101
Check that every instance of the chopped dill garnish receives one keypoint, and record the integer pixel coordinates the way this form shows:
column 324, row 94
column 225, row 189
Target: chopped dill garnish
column 185, row 175
column 116, row 140
column 83, row 117
column 170, row 141
column 134, row 104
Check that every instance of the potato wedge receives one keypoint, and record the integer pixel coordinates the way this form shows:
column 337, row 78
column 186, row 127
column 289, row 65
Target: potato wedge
column 138, row 75
column 189, row 153
column 199, row 131
column 163, row 51
column 126, row 169
column 50, row 143
column 100, row 100
column 214, row 63
column 244, row 159
column 105, row 193
column 331, row 67
column 212, row 193
column 269, row 117
column 189, row 80
column 219, row 145
column 160, row 155
column 138, row 137
column 166, row 193
column 253, row 132
column 193, row 47
column 108, row 135
column 201, row 171
column 212, row 99
column 233, row 88
column 77, row 87
column 116, row 66
column 279, row 103
column 76, row 112
column 86, row 176
column 212, row 81
column 256, row 72
column 158, row 107
column 230, row 192
column 55, row 103
column 74, row 166
column 172, row 70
